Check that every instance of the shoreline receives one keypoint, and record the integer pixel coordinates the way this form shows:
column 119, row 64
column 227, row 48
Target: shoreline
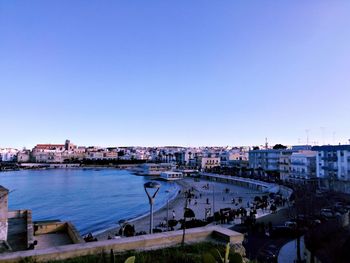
column 49, row 166
column 140, row 217
column 143, row 219
column 206, row 198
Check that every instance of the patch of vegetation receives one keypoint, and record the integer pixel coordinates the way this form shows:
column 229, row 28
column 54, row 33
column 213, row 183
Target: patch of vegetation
column 186, row 254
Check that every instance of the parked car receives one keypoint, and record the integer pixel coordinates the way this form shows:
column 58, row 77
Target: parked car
column 268, row 254
column 291, row 224
column 327, row 213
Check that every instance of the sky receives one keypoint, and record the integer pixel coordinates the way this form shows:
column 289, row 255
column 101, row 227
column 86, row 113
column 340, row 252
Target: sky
column 190, row 73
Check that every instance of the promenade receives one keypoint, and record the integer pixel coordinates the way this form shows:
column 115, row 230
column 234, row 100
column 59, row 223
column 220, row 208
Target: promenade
column 219, row 195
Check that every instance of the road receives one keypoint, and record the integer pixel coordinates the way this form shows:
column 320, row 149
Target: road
column 257, row 241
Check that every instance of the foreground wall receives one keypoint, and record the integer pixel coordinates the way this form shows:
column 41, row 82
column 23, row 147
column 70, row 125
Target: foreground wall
column 3, row 212
column 144, row 242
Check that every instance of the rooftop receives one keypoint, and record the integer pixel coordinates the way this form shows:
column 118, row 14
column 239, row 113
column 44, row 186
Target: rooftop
column 331, row 148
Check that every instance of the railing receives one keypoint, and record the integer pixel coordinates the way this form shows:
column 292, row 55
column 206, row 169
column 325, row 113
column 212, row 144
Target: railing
column 330, row 168
column 297, row 163
column 330, row 158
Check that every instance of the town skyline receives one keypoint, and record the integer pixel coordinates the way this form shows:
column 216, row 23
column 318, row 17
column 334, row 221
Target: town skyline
column 186, row 74
column 300, row 141
column 271, row 143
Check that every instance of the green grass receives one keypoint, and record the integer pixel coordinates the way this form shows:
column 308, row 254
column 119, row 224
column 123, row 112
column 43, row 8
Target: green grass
column 187, row 254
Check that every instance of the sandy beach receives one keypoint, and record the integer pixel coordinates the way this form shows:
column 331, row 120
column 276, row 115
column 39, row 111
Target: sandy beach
column 216, row 191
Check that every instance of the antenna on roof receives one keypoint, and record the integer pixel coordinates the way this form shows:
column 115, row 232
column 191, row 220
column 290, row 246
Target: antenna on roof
column 322, row 133
column 266, row 144
column 307, row 136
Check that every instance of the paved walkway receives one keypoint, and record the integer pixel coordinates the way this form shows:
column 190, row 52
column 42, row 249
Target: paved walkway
column 288, row 253
column 52, row 240
column 215, row 195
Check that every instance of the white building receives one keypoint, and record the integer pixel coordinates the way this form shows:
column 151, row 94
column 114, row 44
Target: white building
column 156, row 168
column 23, row 156
column 285, row 165
column 230, row 157
column 333, row 162
column 8, row 154
column 268, row 160
column 171, row 176
column 303, row 166
column 209, row 162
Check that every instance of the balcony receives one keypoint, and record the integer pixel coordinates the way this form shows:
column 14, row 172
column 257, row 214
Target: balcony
column 297, row 163
column 330, row 158
column 330, row 168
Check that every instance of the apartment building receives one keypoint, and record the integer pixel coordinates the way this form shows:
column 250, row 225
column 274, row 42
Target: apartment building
column 209, row 162
column 333, row 162
column 303, row 166
column 285, row 165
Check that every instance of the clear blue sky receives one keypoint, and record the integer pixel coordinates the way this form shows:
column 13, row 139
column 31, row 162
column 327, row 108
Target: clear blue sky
column 174, row 72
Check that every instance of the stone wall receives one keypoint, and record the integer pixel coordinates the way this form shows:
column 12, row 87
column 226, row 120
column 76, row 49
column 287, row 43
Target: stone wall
column 43, row 228
column 144, row 242
column 3, row 213
column 48, row 227
column 74, row 234
column 27, row 215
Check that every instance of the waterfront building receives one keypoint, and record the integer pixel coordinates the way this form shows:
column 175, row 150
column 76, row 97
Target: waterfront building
column 95, row 155
column 171, row 175
column 8, row 154
column 78, row 153
column 303, row 167
column 110, row 155
column 301, row 147
column 68, row 146
column 186, row 157
column 230, row 158
column 48, row 153
column 268, row 160
column 49, row 147
column 156, row 168
column 209, row 162
column 333, row 162
column 23, row 156
column 56, row 153
column 285, row 165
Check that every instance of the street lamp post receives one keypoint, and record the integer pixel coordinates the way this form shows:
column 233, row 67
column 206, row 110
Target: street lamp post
column 213, row 199
column 167, row 210
column 151, row 185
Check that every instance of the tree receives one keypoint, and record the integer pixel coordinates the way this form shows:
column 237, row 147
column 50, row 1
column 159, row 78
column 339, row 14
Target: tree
column 188, row 213
column 279, row 147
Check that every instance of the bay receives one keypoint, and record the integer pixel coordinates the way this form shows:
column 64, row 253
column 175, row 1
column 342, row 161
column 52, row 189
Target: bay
column 92, row 199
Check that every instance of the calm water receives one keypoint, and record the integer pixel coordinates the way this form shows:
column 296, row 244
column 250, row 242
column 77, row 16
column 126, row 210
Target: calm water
column 92, row 199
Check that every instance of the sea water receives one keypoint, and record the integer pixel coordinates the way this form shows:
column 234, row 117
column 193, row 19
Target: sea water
column 92, row 199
